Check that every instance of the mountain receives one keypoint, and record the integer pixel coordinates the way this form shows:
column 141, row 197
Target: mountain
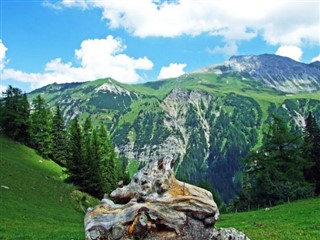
column 280, row 73
column 208, row 119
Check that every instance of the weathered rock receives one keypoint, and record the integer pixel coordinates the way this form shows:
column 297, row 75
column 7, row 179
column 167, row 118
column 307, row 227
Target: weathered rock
column 158, row 206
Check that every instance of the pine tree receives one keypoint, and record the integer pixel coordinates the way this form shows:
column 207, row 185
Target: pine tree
column 24, row 120
column 88, row 182
column 284, row 151
column 86, row 138
column 75, row 161
column 95, row 184
column 108, row 162
column 14, row 115
column 276, row 170
column 59, row 138
column 312, row 147
column 41, row 127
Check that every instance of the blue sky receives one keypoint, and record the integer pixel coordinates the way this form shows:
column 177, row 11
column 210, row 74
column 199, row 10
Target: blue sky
column 146, row 40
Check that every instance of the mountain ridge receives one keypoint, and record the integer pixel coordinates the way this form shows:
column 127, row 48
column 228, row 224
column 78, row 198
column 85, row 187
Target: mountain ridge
column 208, row 121
column 281, row 73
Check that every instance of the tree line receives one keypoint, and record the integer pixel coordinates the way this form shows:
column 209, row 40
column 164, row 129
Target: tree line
column 85, row 151
column 286, row 167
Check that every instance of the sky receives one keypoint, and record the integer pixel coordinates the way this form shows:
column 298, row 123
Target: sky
column 135, row 41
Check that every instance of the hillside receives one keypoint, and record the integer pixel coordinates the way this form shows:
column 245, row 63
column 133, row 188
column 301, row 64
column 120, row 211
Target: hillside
column 207, row 120
column 35, row 203
column 293, row 221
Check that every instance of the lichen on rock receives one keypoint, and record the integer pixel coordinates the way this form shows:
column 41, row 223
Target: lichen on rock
column 156, row 206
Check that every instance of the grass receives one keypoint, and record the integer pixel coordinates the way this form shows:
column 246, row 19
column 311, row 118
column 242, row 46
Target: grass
column 293, row 221
column 35, row 203
column 142, row 104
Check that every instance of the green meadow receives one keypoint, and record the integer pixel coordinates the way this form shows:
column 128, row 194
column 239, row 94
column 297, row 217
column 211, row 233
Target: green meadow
column 298, row 220
column 35, row 203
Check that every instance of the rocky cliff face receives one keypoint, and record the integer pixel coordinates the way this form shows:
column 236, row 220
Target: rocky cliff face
column 175, row 119
column 158, row 206
column 205, row 133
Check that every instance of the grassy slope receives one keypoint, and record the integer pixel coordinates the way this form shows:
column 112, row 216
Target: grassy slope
column 294, row 221
column 38, row 204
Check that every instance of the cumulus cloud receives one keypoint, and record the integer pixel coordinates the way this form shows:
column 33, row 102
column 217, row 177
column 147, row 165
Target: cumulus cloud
column 292, row 52
column 282, row 22
column 171, row 71
column 3, row 50
column 98, row 58
column 317, row 58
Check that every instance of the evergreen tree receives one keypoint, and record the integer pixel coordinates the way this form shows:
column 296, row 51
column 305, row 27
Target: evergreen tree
column 312, row 147
column 14, row 115
column 86, row 138
column 75, row 161
column 59, row 138
column 108, row 162
column 275, row 172
column 41, row 127
column 95, row 184
column 88, row 182
column 24, row 120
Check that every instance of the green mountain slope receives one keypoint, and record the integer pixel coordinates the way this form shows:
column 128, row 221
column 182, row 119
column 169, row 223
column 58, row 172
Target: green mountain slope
column 35, row 203
column 294, row 221
column 207, row 121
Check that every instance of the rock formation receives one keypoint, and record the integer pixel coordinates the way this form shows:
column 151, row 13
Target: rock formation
column 155, row 205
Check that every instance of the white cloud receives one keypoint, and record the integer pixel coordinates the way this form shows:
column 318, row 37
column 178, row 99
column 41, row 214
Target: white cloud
column 76, row 3
column 317, row 58
column 65, row 3
column 99, row 58
column 3, row 50
column 292, row 52
column 229, row 48
column 283, row 22
column 51, row 5
column 171, row 71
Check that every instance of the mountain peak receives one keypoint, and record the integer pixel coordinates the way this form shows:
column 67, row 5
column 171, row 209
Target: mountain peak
column 264, row 61
column 278, row 72
column 265, row 56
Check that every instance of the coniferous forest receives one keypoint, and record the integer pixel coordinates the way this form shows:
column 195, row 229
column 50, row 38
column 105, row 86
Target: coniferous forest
column 85, row 151
column 286, row 166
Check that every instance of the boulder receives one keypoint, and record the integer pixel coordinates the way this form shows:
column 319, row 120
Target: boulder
column 155, row 205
